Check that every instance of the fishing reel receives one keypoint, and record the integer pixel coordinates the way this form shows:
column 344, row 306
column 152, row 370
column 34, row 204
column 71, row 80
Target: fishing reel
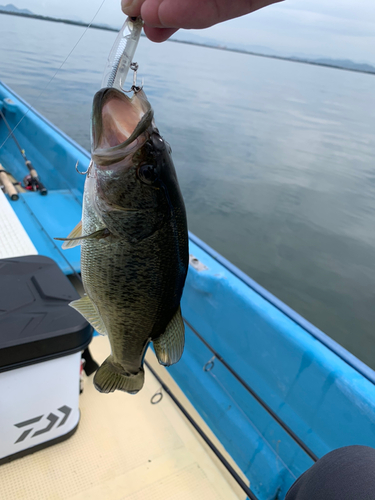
column 32, row 183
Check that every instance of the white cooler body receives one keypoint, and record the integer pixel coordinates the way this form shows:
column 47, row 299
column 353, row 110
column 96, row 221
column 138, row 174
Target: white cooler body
column 41, row 340
column 39, row 405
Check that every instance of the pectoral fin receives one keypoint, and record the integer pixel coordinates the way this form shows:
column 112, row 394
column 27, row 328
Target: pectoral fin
column 170, row 345
column 75, row 237
column 89, row 311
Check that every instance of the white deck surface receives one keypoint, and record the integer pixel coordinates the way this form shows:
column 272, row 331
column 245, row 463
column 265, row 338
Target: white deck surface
column 125, row 448
column 14, row 240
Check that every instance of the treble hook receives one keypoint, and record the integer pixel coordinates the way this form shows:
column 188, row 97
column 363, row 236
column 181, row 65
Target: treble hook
column 81, row 173
column 134, row 66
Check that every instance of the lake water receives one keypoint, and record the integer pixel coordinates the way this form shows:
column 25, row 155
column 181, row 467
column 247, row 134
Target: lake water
column 276, row 160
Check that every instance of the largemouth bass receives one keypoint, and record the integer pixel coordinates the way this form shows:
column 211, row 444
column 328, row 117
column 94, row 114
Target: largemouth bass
column 134, row 241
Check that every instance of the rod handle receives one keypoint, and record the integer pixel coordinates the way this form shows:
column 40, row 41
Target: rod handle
column 9, row 188
column 42, row 188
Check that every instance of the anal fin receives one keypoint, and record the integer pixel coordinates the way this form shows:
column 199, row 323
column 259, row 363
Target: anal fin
column 89, row 311
column 170, row 345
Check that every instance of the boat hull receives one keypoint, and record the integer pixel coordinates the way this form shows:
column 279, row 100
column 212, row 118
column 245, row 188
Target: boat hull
column 277, row 392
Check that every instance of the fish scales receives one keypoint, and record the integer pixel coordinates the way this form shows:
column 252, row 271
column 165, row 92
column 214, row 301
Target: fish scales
column 131, row 285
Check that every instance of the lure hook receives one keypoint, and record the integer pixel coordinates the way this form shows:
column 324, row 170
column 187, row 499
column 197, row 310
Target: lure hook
column 81, row 173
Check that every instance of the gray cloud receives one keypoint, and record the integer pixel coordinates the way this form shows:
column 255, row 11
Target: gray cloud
column 338, row 28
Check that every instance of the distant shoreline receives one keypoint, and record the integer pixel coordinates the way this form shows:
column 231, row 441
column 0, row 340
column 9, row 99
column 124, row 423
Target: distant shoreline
column 198, row 44
column 57, row 20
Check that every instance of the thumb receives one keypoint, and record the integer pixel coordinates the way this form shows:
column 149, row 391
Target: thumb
column 131, row 8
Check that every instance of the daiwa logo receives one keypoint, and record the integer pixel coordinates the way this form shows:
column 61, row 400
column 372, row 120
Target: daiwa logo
column 52, row 421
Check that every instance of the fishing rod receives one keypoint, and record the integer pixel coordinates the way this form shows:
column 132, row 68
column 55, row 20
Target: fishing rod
column 35, row 183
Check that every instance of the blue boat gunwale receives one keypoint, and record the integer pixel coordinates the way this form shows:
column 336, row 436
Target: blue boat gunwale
column 249, row 428
column 327, row 341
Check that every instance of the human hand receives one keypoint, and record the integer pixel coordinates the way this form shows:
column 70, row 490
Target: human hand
column 162, row 18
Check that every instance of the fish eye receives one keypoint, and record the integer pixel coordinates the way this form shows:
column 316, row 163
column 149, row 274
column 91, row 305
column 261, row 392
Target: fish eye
column 147, row 174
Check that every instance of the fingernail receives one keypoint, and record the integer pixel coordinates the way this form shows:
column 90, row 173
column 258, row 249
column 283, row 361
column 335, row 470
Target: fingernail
column 126, row 4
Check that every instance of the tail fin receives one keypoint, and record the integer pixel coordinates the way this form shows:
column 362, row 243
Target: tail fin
column 108, row 378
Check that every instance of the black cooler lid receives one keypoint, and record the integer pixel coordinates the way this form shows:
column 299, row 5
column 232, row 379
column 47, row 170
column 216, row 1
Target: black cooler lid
column 36, row 322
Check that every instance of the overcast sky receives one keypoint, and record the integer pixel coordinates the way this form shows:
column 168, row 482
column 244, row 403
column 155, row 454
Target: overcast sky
column 330, row 28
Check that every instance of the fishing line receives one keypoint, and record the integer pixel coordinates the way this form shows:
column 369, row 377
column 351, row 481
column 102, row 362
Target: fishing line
column 58, row 69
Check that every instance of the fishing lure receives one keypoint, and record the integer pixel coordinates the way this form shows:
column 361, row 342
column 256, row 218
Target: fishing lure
column 120, row 58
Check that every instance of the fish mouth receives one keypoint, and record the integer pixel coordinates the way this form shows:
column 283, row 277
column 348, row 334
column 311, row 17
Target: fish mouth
column 118, row 121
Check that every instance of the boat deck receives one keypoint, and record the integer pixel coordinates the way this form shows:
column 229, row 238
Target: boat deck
column 124, row 448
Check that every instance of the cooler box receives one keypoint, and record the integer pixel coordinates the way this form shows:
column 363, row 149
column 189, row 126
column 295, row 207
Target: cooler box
column 41, row 339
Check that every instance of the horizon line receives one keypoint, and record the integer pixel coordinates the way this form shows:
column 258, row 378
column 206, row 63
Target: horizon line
column 104, row 27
